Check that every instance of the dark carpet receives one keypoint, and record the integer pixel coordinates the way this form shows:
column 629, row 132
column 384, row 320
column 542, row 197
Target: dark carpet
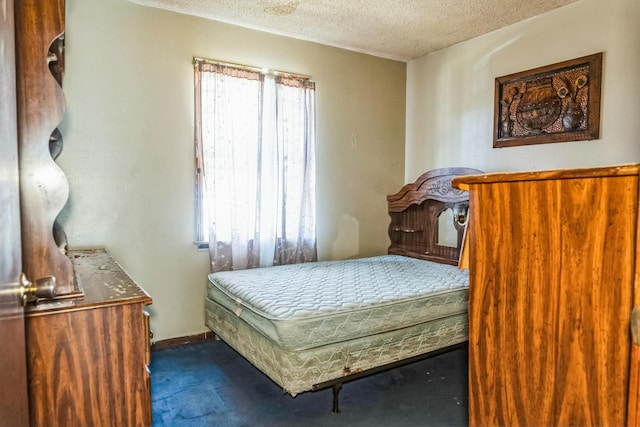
column 209, row 384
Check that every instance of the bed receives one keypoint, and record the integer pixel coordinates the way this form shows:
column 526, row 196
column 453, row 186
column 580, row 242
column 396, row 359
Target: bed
column 314, row 325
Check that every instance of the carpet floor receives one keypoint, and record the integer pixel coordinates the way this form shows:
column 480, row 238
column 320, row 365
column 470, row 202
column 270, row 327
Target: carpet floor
column 209, row 384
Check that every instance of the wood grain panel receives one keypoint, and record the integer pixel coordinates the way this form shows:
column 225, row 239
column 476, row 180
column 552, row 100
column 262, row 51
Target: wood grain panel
column 414, row 233
column 89, row 375
column 550, row 300
column 464, row 182
column 87, row 358
column 633, row 408
column 414, row 212
column 434, row 184
column 44, row 187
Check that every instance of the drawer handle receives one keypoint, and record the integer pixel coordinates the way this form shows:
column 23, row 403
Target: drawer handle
column 635, row 325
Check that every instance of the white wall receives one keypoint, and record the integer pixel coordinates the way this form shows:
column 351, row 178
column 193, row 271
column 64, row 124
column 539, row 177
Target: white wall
column 128, row 130
column 450, row 93
column 128, row 143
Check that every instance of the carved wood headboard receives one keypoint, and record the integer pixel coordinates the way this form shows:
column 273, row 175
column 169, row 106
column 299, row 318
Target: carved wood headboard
column 415, row 211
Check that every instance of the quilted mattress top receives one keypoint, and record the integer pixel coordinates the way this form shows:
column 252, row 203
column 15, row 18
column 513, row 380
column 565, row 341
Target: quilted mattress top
column 302, row 306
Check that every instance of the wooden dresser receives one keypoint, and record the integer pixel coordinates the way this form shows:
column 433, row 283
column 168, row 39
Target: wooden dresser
column 553, row 260
column 88, row 344
column 88, row 358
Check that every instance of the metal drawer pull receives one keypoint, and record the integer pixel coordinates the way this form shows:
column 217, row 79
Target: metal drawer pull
column 635, row 325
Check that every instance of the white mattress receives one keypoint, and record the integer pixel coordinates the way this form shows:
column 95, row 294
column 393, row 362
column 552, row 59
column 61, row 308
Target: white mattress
column 308, row 305
column 299, row 371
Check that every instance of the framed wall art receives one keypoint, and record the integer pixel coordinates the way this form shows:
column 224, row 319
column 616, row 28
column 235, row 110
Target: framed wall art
column 555, row 103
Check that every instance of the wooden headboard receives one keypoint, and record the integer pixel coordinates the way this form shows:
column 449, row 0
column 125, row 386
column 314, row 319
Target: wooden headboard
column 415, row 211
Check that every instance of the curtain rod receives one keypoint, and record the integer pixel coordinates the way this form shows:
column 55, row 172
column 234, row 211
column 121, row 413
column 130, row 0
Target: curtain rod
column 265, row 70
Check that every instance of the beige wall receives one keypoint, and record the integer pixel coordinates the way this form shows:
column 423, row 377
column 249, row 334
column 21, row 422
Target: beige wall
column 128, row 136
column 450, row 93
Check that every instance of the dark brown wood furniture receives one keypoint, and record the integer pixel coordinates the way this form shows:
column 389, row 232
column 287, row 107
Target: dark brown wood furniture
column 553, row 259
column 88, row 358
column 416, row 208
column 44, row 189
column 88, row 343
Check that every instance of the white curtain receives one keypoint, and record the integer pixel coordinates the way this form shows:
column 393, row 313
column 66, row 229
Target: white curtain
column 255, row 139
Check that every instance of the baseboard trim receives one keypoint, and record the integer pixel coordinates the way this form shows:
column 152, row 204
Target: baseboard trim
column 175, row 342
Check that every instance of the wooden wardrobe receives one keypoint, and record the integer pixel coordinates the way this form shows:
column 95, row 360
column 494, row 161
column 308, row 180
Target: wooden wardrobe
column 553, row 283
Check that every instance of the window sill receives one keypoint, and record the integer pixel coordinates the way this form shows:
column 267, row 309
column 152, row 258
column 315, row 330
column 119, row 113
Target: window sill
column 202, row 246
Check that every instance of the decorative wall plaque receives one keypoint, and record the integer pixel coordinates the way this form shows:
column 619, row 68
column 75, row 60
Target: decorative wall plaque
column 555, row 103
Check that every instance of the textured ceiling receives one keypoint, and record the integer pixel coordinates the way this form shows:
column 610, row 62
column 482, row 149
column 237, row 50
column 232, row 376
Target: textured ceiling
column 395, row 29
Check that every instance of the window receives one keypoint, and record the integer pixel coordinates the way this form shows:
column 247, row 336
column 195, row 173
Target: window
column 255, row 164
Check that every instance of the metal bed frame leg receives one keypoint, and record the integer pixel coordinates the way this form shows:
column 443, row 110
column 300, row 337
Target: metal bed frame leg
column 336, row 391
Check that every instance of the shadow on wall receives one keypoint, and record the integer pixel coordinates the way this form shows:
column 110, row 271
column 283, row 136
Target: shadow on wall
column 346, row 243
